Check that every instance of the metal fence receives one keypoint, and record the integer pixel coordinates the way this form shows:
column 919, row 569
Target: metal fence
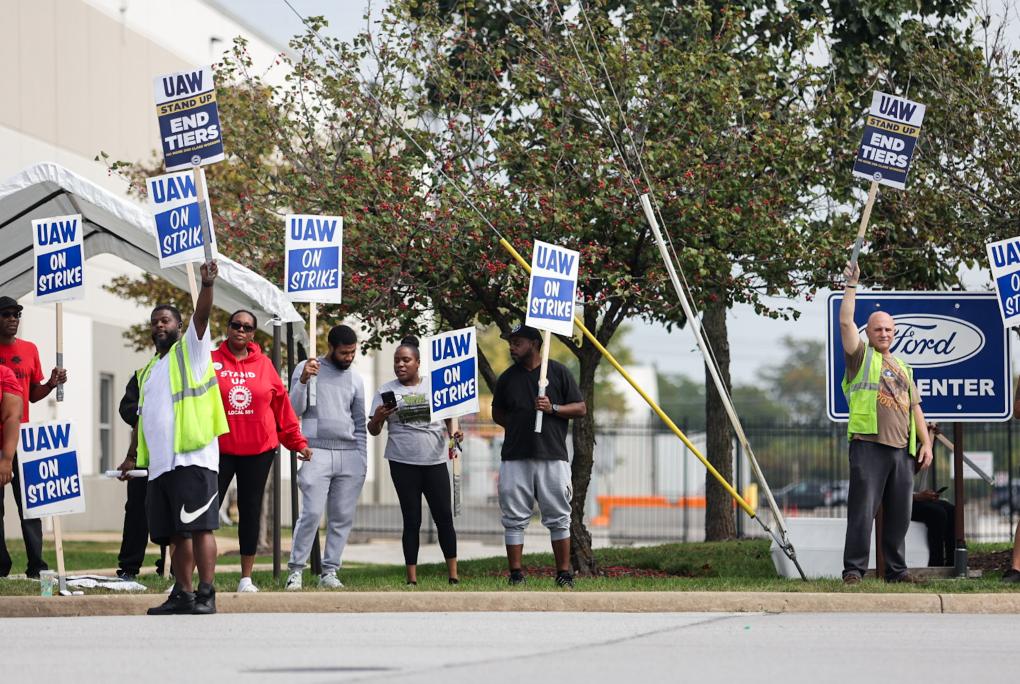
column 647, row 487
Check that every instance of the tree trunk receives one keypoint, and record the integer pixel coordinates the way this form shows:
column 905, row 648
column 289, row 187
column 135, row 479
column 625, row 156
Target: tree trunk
column 581, row 556
column 719, row 519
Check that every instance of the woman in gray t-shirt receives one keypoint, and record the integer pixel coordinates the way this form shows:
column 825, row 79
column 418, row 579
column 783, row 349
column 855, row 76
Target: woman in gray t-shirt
column 416, row 449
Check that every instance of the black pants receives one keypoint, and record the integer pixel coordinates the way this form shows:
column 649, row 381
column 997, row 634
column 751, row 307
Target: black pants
column 940, row 519
column 252, row 473
column 879, row 474
column 135, row 537
column 31, row 532
column 411, row 481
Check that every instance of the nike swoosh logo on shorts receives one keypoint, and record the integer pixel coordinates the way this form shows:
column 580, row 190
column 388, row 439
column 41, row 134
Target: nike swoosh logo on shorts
column 187, row 518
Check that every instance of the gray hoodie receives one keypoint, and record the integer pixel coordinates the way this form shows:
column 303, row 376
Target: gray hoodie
column 337, row 421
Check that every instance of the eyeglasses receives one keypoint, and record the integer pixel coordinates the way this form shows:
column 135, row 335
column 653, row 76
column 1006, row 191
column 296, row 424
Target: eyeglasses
column 10, row 314
column 243, row 327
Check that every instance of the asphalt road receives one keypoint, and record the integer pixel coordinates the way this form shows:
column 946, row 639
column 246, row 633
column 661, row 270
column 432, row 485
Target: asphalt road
column 520, row 647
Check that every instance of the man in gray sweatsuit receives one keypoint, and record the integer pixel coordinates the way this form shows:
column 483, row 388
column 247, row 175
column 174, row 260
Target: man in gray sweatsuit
column 332, row 480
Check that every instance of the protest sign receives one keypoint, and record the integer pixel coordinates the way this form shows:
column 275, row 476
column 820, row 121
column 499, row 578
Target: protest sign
column 175, row 209
column 51, row 482
column 453, row 373
column 189, row 121
column 314, row 246
column 554, row 272
column 59, row 258
column 1004, row 259
column 890, row 136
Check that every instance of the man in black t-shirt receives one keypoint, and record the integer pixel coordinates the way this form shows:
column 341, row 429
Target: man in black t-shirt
column 534, row 465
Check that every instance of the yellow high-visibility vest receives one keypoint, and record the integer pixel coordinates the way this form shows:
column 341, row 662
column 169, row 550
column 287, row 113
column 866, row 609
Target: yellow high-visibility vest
column 862, row 396
column 199, row 416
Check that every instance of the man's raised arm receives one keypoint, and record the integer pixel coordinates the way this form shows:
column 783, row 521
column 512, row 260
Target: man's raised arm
column 847, row 328
column 203, row 308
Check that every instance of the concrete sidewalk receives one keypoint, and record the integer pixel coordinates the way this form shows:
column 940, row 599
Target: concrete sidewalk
column 524, row 601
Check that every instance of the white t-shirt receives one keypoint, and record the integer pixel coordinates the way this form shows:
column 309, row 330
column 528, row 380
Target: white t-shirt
column 158, row 412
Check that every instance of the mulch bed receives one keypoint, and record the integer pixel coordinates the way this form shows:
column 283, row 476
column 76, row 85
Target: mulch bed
column 996, row 561
column 608, row 571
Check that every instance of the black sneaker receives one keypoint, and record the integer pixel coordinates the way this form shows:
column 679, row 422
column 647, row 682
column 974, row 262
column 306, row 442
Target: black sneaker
column 564, row 579
column 179, row 602
column 517, row 578
column 205, row 600
column 1011, row 576
column 126, row 575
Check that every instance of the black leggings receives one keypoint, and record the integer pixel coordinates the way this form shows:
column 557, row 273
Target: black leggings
column 252, row 473
column 411, row 481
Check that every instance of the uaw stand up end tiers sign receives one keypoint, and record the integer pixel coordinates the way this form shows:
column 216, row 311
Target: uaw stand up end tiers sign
column 955, row 343
column 890, row 136
column 189, row 121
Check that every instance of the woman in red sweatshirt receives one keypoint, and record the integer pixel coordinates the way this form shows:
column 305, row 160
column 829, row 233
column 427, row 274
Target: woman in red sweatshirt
column 260, row 418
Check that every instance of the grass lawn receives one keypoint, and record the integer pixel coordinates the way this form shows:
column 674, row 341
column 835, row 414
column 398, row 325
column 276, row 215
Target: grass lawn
column 719, row 566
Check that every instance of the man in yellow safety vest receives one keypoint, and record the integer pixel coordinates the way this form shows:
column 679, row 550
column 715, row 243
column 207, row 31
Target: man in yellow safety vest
column 180, row 417
column 888, row 439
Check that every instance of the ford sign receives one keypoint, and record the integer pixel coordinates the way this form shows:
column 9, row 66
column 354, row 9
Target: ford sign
column 955, row 343
column 927, row 341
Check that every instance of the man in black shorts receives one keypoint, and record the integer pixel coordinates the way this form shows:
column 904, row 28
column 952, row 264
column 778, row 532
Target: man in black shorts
column 180, row 417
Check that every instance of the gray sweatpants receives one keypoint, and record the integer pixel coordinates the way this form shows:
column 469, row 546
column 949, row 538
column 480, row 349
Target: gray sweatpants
column 521, row 483
column 879, row 474
column 331, row 481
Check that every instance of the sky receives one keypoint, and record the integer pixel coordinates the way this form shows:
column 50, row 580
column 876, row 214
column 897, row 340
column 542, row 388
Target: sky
column 755, row 341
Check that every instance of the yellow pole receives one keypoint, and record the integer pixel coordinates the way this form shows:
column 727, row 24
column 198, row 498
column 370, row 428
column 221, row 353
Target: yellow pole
column 655, row 407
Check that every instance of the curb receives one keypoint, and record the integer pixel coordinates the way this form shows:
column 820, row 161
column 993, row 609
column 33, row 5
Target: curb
column 501, row 601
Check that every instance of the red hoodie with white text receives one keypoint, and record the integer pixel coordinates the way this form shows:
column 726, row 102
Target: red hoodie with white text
column 257, row 404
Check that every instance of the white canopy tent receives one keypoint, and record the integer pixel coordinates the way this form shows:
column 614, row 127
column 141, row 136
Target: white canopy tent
column 113, row 225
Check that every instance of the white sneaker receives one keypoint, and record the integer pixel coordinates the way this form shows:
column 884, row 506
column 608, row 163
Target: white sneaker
column 246, row 586
column 330, row 581
column 294, row 581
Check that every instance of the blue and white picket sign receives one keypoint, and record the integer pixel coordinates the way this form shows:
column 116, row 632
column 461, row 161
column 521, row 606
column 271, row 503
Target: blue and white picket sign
column 955, row 343
column 553, row 284
column 59, row 258
column 51, row 482
column 314, row 258
column 452, row 359
column 175, row 206
column 189, row 121
column 890, row 136
column 1004, row 258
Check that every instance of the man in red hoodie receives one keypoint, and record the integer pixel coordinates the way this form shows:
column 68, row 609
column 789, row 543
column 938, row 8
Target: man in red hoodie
column 260, row 418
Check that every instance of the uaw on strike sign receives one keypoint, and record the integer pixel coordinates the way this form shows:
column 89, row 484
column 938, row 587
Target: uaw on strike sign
column 51, row 482
column 553, row 284
column 59, row 258
column 189, row 122
column 1004, row 259
column 890, row 136
column 453, row 373
column 175, row 209
column 312, row 268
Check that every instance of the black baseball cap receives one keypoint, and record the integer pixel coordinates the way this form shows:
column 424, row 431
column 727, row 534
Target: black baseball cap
column 9, row 303
column 521, row 330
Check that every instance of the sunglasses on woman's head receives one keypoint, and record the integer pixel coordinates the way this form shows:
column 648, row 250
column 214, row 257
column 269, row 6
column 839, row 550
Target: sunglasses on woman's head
column 243, row 327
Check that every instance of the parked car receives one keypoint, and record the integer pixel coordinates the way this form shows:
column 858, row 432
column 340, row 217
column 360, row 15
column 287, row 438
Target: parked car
column 805, row 494
column 837, row 493
column 1000, row 498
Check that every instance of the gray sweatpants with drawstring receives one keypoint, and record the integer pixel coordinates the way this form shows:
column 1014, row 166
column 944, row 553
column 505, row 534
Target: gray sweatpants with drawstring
column 330, row 482
column 524, row 481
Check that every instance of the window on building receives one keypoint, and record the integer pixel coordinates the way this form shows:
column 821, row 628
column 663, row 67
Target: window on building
column 105, row 422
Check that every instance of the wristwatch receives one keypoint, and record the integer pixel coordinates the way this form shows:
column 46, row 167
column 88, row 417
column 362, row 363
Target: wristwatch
column 555, row 409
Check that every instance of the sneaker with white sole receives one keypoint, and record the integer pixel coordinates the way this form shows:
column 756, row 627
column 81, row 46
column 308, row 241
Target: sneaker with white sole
column 294, row 581
column 329, row 580
column 246, row 586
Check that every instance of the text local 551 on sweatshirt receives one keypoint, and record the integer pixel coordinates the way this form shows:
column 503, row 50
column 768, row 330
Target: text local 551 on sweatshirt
column 337, row 421
column 257, row 405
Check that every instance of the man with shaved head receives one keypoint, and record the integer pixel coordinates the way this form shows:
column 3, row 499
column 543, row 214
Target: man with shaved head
column 888, row 439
